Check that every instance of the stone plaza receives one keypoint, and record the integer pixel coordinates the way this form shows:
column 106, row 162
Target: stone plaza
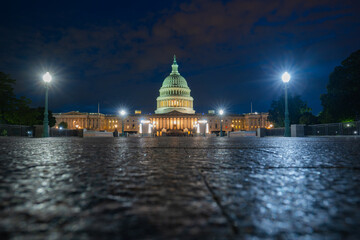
column 173, row 187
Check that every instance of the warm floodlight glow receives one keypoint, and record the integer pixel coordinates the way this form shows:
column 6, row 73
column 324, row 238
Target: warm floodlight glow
column 285, row 77
column 122, row 113
column 221, row 112
column 47, row 77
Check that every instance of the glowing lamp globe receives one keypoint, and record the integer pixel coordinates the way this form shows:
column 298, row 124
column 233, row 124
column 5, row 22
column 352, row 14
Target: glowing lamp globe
column 221, row 112
column 47, row 77
column 286, row 77
column 122, row 112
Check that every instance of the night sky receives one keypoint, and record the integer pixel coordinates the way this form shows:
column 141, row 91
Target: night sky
column 230, row 52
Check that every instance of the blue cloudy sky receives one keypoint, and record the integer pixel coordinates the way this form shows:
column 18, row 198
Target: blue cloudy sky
column 231, row 52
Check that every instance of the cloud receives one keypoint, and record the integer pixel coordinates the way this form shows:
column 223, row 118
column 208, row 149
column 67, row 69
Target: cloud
column 201, row 27
column 205, row 35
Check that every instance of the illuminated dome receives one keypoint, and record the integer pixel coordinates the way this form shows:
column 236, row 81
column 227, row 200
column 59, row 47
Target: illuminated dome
column 174, row 94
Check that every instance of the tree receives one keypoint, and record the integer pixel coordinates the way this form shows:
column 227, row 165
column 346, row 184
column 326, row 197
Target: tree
column 17, row 110
column 342, row 100
column 7, row 96
column 13, row 110
column 20, row 112
column 40, row 117
column 308, row 118
column 63, row 125
column 297, row 108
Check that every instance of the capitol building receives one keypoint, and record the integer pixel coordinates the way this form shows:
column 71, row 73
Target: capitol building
column 174, row 115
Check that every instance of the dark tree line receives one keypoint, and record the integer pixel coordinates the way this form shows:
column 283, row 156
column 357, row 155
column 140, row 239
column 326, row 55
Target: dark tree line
column 14, row 110
column 341, row 103
column 299, row 112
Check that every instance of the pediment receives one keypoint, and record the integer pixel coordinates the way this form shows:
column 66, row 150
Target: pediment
column 174, row 113
column 73, row 113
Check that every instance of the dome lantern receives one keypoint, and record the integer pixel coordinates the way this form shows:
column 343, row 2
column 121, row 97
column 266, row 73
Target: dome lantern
column 174, row 67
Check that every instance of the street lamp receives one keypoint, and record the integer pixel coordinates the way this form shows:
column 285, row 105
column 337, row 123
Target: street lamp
column 286, row 78
column 47, row 78
column 221, row 112
column 122, row 113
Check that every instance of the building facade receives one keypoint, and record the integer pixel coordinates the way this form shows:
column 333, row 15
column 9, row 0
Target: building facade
column 174, row 115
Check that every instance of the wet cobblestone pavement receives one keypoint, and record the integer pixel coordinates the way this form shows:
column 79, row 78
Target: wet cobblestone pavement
column 190, row 188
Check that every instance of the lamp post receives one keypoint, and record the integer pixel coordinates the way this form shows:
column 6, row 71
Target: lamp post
column 286, row 78
column 47, row 78
column 122, row 113
column 221, row 112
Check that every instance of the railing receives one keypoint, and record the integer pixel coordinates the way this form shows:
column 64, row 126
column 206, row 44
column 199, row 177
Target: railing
column 16, row 130
column 349, row 128
column 275, row 132
column 55, row 132
column 329, row 129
